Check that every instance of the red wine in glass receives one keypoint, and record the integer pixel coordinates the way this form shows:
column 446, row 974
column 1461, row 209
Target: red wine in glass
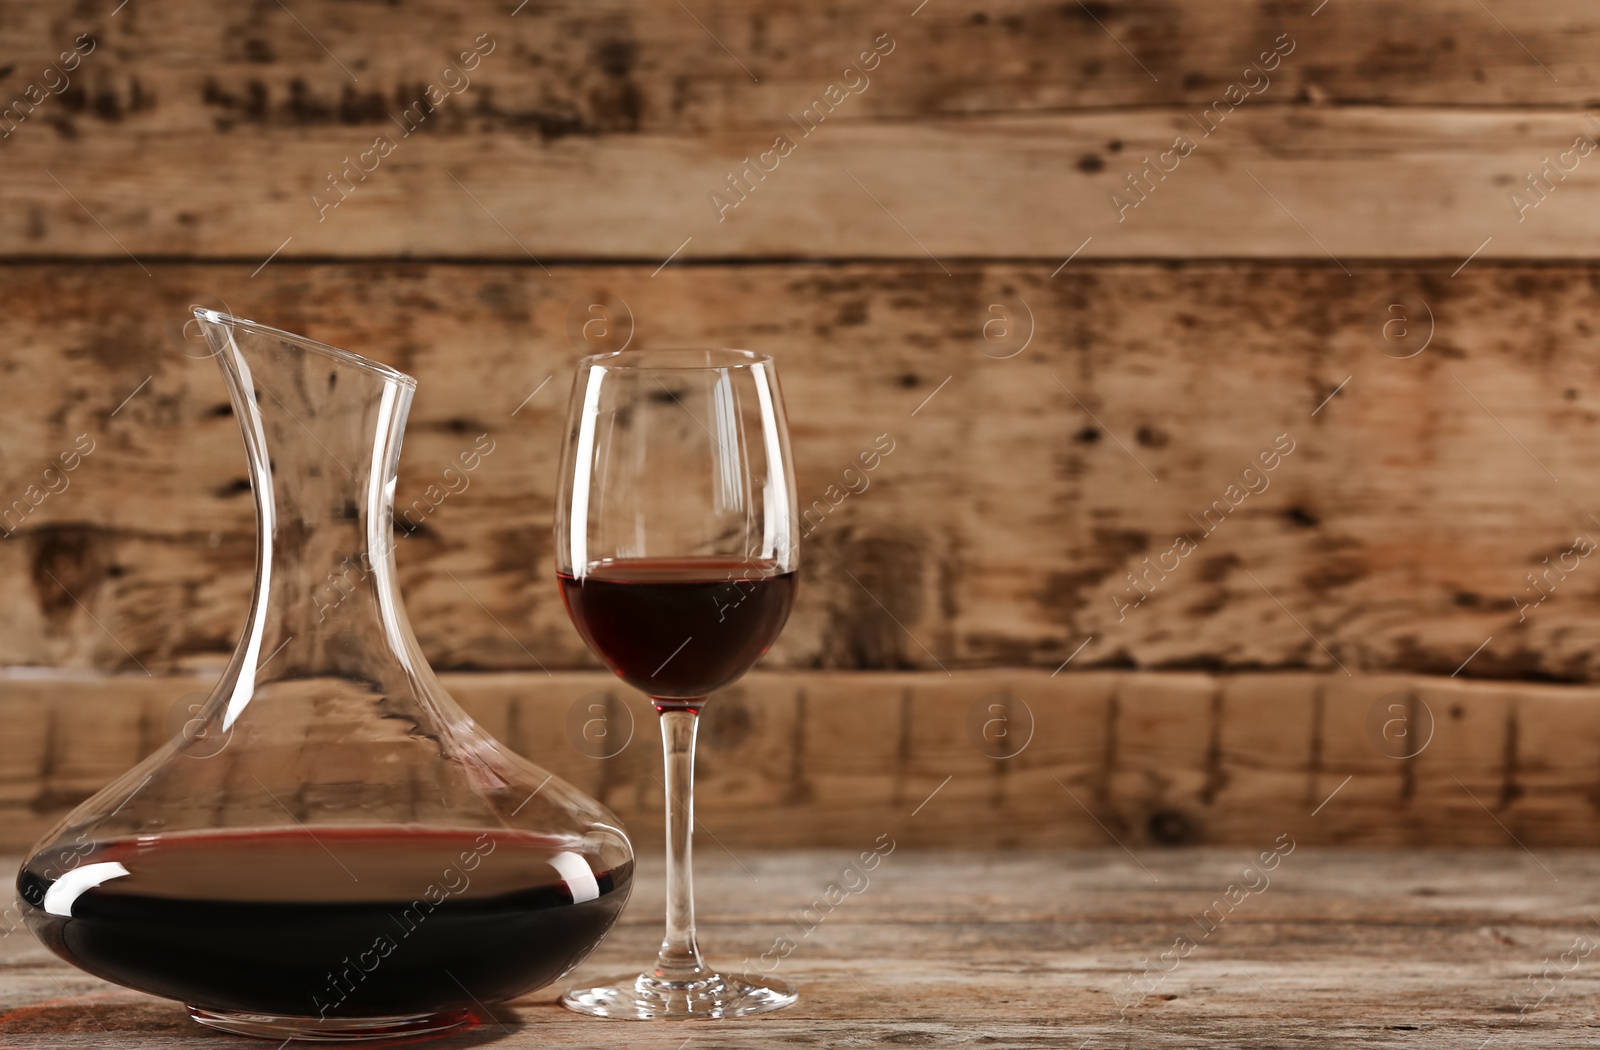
column 679, row 629
column 676, row 555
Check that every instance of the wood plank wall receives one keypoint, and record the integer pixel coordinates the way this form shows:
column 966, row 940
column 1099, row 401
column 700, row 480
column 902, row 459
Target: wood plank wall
column 1055, row 423
column 982, row 759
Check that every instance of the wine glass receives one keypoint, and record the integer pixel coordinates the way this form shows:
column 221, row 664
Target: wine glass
column 676, row 554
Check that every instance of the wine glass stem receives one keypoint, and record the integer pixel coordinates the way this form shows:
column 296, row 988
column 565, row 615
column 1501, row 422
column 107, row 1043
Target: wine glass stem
column 679, row 959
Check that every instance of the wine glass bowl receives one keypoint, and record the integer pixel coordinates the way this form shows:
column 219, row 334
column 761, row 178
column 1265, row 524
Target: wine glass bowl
column 677, row 561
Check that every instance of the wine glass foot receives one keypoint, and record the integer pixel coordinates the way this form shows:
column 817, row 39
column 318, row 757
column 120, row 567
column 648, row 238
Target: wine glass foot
column 647, row 998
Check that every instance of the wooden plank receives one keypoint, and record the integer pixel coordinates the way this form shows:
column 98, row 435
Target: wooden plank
column 1350, row 182
column 1003, row 529
column 626, row 66
column 827, row 758
column 631, row 116
column 1383, row 949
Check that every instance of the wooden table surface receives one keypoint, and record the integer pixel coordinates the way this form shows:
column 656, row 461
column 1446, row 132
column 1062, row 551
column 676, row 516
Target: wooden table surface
column 1331, row 948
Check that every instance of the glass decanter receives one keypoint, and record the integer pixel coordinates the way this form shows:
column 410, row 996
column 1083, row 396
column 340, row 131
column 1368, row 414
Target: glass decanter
column 332, row 848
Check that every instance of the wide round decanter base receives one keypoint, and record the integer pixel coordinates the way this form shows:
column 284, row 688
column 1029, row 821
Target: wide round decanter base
column 317, row 1029
column 648, row 998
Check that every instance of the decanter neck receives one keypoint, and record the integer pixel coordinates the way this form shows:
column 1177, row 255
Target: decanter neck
column 326, row 517
column 322, row 431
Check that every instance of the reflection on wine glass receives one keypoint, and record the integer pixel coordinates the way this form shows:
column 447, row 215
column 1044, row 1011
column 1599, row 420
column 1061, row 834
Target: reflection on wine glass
column 676, row 556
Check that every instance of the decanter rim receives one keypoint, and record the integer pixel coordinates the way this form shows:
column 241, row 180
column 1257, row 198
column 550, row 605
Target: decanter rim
column 342, row 356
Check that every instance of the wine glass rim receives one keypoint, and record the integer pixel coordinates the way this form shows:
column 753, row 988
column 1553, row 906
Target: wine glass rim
column 347, row 357
column 667, row 358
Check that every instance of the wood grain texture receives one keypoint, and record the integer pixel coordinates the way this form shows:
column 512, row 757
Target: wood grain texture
column 1381, row 949
column 1270, row 182
column 602, row 132
column 628, row 66
column 1003, row 528
column 999, row 759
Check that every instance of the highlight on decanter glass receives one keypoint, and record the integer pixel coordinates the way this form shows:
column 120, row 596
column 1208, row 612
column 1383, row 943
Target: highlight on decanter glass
column 334, row 850
column 677, row 560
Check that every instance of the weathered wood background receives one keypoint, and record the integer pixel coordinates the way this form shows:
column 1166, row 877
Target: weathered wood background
column 995, row 758
column 1055, row 423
